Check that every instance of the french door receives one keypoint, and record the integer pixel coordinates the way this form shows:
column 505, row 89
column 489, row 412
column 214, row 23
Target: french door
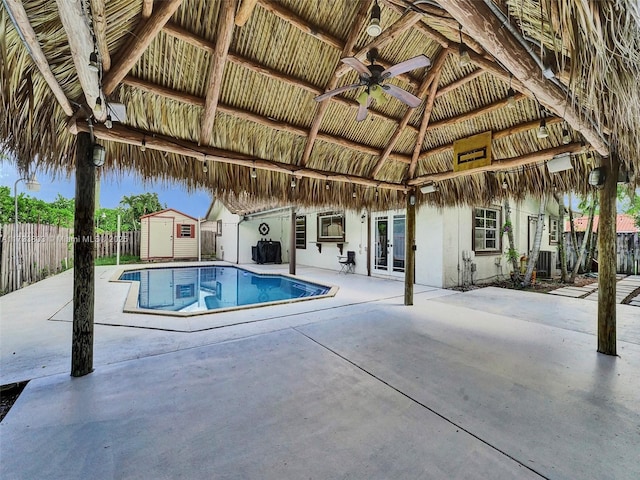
column 389, row 243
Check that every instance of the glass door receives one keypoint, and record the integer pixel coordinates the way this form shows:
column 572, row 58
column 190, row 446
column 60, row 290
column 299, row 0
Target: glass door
column 389, row 244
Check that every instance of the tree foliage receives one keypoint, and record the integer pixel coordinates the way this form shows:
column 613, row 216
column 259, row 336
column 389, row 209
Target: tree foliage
column 630, row 201
column 135, row 206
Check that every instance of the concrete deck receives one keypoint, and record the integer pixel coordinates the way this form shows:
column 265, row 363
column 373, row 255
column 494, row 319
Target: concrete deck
column 490, row 383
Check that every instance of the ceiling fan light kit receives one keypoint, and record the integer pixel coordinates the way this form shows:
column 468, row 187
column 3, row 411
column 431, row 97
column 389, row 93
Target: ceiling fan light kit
column 373, row 77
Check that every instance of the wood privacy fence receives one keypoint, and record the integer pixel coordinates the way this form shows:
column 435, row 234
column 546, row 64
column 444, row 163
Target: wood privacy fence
column 627, row 251
column 208, row 245
column 45, row 250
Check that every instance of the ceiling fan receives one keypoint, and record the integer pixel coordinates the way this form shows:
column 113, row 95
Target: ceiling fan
column 373, row 77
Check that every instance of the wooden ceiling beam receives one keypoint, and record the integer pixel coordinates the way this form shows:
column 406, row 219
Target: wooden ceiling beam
column 28, row 35
column 484, row 26
column 224, row 34
column 252, row 117
column 460, row 82
column 505, row 164
column 147, row 8
column 131, row 52
column 321, row 108
column 425, row 29
column 426, row 116
column 199, row 42
column 432, row 74
column 474, row 113
column 76, row 26
column 244, row 12
column 153, row 141
column 99, row 19
column 521, row 127
column 403, row 24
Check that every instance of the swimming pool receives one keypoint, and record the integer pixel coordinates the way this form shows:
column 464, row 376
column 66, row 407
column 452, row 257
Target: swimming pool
column 193, row 290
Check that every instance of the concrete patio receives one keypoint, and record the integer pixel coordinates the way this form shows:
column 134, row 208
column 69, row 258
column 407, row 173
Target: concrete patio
column 490, row 383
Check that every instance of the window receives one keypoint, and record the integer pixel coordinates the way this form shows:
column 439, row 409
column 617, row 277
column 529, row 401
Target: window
column 186, row 231
column 486, row 236
column 301, row 231
column 554, row 230
column 331, row 227
column 185, row 291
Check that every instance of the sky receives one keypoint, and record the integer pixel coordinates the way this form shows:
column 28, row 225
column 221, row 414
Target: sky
column 112, row 190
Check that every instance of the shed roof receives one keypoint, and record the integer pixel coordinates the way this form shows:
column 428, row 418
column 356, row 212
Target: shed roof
column 168, row 210
column 231, row 84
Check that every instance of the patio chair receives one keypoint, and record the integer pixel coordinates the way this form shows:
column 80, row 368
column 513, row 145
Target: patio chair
column 348, row 263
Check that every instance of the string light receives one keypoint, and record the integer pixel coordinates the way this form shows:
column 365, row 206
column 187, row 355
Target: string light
column 465, row 59
column 143, row 147
column 205, row 168
column 254, row 173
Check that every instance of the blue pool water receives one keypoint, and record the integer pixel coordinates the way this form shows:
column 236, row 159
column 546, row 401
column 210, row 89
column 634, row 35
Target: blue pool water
column 198, row 289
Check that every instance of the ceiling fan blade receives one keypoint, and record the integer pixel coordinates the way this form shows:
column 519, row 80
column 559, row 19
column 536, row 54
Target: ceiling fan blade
column 406, row 66
column 402, row 95
column 358, row 66
column 336, row 91
column 362, row 111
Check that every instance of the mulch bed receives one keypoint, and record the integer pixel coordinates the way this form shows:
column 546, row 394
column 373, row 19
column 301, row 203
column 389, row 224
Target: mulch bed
column 542, row 285
column 8, row 396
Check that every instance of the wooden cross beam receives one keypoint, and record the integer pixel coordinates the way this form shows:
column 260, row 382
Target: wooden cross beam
column 244, row 12
column 147, row 8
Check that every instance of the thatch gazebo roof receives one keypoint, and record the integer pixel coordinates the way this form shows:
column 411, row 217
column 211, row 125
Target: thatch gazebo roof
column 232, row 83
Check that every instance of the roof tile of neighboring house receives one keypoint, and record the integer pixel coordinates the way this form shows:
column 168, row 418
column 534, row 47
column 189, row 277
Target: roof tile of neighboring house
column 624, row 224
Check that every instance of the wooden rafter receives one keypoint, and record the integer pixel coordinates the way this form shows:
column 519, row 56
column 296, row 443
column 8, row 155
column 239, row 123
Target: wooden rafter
column 255, row 118
column 403, row 24
column 425, row 29
column 429, row 78
column 474, row 113
column 460, row 82
column 244, row 12
column 147, row 8
column 99, row 19
column 426, row 116
column 224, row 34
column 521, row 127
column 358, row 23
column 505, row 164
column 197, row 41
column 24, row 28
column 76, row 26
column 153, row 141
column 142, row 37
column 482, row 24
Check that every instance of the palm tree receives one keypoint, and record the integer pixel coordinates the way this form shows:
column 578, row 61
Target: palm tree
column 537, row 240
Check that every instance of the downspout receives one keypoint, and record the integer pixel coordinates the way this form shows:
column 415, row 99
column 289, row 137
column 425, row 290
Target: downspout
column 238, row 240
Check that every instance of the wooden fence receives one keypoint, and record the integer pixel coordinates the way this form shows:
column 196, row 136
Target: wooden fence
column 42, row 250
column 107, row 244
column 627, row 251
column 208, row 245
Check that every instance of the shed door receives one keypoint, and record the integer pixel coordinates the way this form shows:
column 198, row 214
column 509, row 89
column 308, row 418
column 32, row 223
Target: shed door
column 160, row 237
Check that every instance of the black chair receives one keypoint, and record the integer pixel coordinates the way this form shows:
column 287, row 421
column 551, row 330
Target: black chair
column 348, row 263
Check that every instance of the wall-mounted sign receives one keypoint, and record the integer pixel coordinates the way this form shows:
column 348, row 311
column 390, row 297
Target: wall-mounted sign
column 472, row 152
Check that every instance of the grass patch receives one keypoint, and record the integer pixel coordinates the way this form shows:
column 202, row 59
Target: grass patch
column 124, row 259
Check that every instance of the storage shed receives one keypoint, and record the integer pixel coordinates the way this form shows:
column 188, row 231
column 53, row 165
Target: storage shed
column 168, row 235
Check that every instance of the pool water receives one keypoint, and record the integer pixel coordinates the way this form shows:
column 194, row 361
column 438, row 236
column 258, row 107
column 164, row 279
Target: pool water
column 200, row 289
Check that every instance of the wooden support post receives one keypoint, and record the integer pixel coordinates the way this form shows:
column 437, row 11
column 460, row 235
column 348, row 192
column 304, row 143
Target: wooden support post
column 607, row 260
column 292, row 243
column 83, row 271
column 410, row 254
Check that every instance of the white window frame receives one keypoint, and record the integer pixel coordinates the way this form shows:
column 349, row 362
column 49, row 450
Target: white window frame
column 485, row 224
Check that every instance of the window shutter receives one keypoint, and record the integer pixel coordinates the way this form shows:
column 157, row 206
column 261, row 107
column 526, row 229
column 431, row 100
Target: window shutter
column 193, row 231
column 178, row 227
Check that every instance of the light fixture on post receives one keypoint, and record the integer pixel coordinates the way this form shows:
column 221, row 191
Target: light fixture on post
column 412, row 199
column 374, row 29
column 33, row 186
column 98, row 155
column 432, row 187
column 560, row 163
column 465, row 59
column 597, row 176
column 94, row 66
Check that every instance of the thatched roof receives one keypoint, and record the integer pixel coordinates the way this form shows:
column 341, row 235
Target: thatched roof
column 198, row 88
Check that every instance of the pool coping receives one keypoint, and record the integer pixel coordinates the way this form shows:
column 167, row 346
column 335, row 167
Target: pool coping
column 131, row 301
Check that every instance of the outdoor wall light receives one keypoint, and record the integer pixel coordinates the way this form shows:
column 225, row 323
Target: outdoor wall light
column 560, row 163
column 597, row 176
column 374, row 29
column 412, row 199
column 98, row 155
column 429, row 188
